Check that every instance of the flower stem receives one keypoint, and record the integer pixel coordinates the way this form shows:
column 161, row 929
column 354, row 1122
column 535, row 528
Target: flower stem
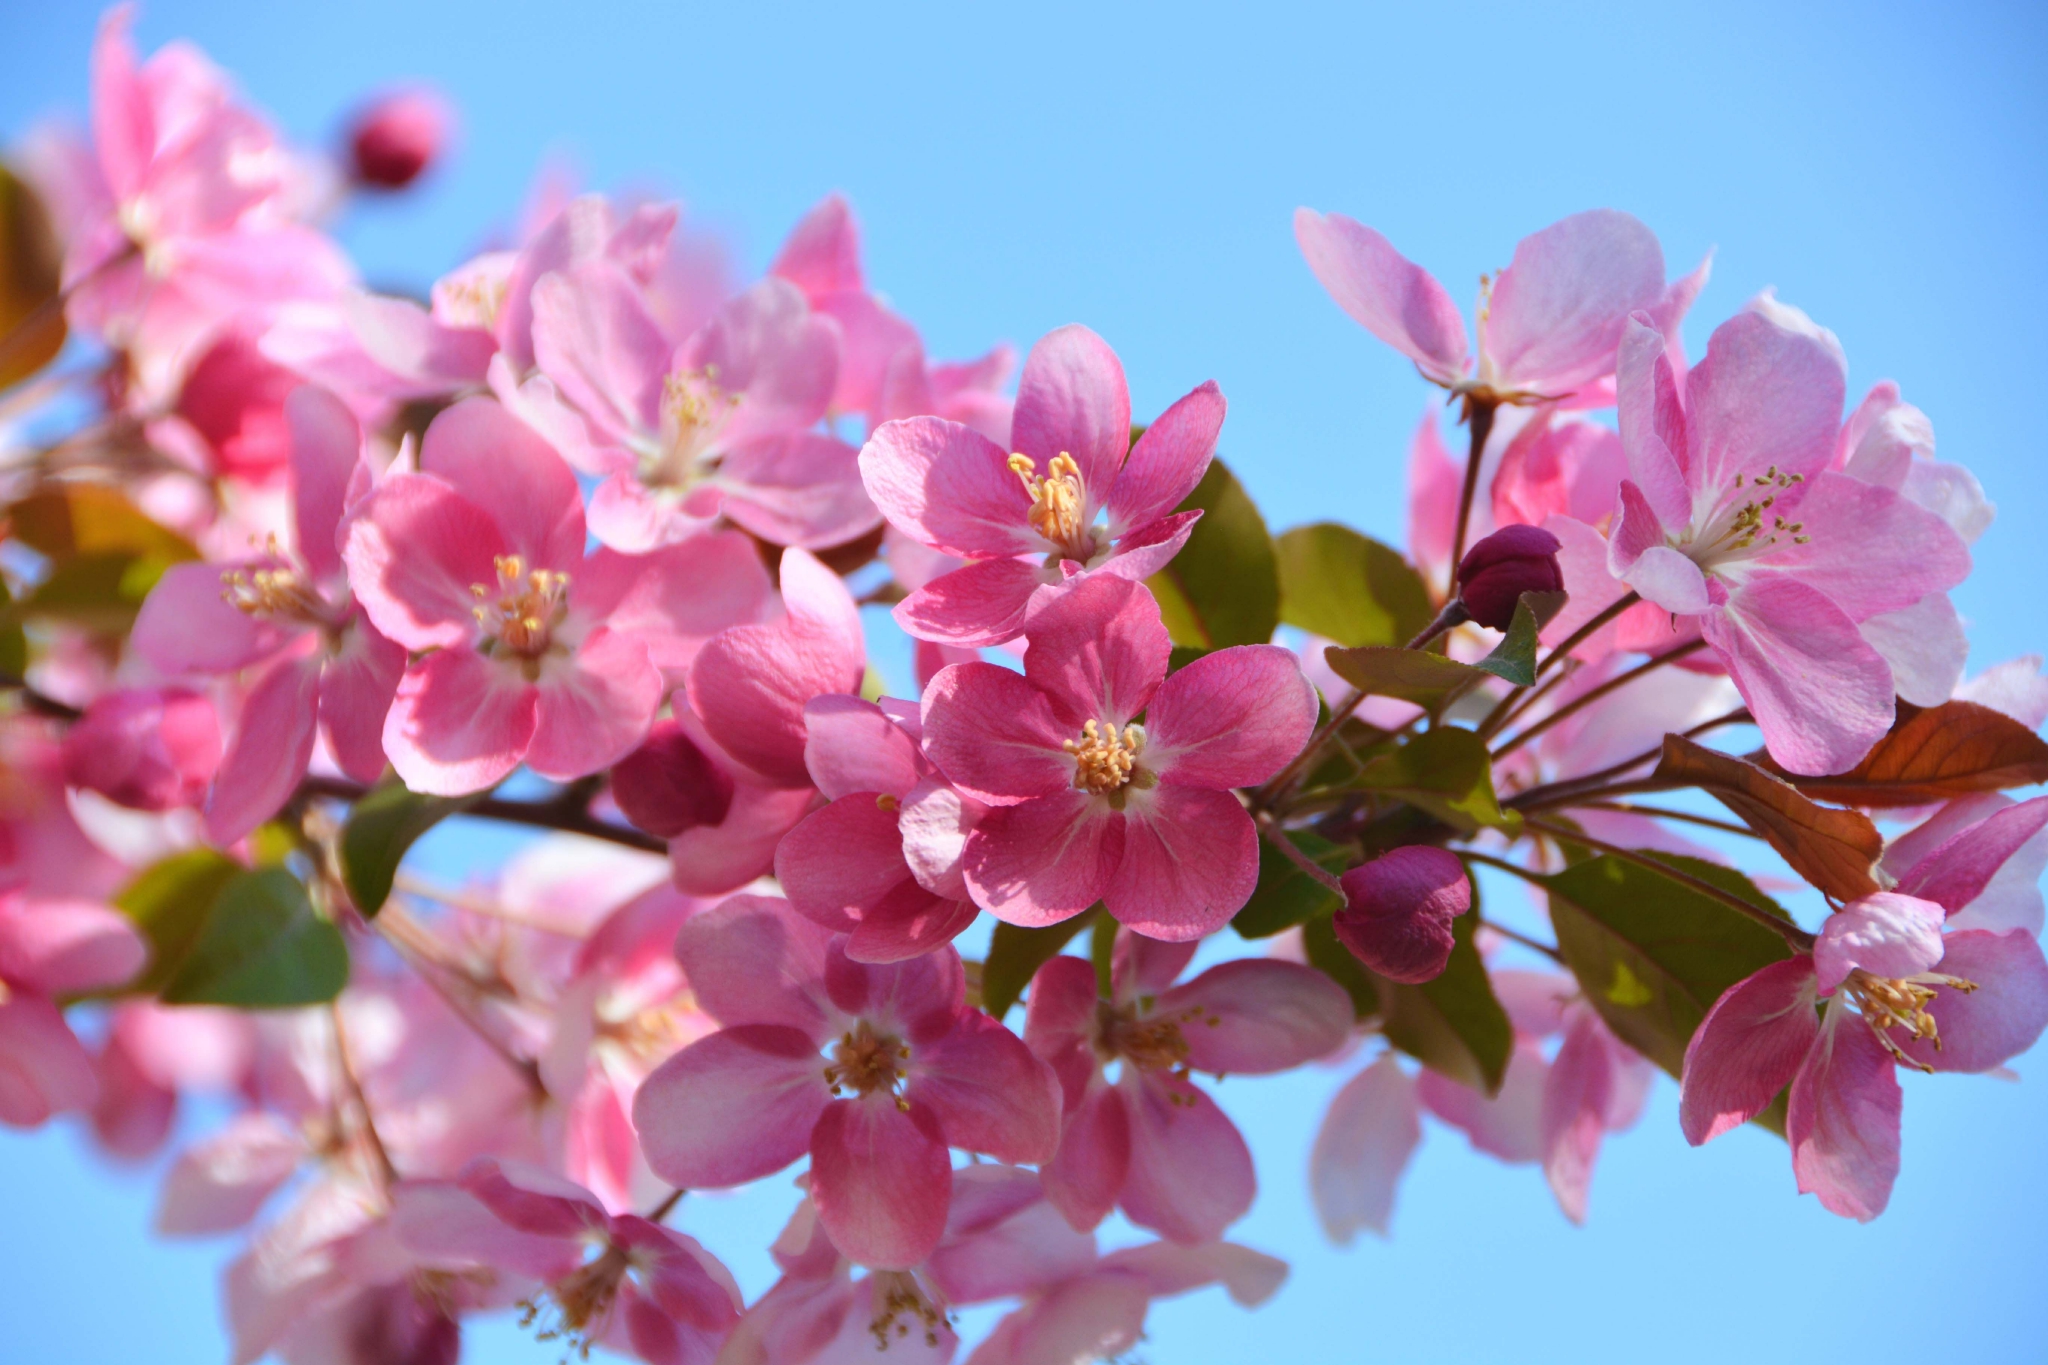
column 1594, row 694
column 1583, row 633
column 568, row 812
column 1277, row 837
column 1479, row 420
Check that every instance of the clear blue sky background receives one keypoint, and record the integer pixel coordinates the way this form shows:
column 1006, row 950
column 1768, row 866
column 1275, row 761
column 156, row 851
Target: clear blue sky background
column 1020, row 167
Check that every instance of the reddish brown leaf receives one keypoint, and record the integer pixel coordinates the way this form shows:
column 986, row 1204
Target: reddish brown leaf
column 1949, row 750
column 1834, row 849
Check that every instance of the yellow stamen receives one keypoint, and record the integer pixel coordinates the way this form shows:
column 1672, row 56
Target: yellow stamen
column 1106, row 761
column 525, row 607
column 1058, row 502
column 864, row 1061
column 1889, row 1002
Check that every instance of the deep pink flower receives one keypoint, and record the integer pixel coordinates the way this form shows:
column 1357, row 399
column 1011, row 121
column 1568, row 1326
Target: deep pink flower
column 48, row 949
column 1548, row 323
column 393, row 141
column 539, row 653
column 1152, row 1142
column 1398, row 910
column 149, row 748
column 1089, row 804
column 1026, row 520
column 617, row 1280
column 908, row 1071
column 1731, row 515
column 286, row 616
column 1897, row 990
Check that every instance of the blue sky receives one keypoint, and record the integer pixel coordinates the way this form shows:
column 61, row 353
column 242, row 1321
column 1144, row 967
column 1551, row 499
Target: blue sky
column 1884, row 165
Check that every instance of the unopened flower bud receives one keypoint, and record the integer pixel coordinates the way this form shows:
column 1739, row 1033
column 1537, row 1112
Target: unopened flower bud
column 668, row 785
column 397, row 137
column 147, row 748
column 1495, row 573
column 1398, row 910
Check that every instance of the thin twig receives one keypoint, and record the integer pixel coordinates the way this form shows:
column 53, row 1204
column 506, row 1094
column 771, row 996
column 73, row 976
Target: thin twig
column 1660, row 813
column 1516, row 704
column 386, row 1172
column 1278, row 839
column 1593, row 694
column 666, row 1206
column 1568, row 790
column 1583, row 633
column 567, row 816
column 1479, row 419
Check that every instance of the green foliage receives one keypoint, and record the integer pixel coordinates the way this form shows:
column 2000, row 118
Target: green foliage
column 169, row 902
column 1514, row 658
column 262, row 947
column 1016, row 953
column 31, row 276
column 1286, row 895
column 1331, row 958
column 385, row 822
column 1448, row 773
column 1223, row 588
column 1652, row 954
column 104, row 553
column 1429, row 680
column 1337, row 583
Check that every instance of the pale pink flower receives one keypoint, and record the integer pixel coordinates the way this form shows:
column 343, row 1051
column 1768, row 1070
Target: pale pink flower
column 1367, row 1137
column 1152, row 1142
column 1548, row 323
column 1088, row 803
column 154, row 1054
column 907, row 1071
column 1026, row 519
column 50, row 949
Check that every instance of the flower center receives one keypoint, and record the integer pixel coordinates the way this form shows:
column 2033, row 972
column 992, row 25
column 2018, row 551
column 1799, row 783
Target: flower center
column 1154, row 1044
column 1106, row 760
column 1058, row 503
column 1744, row 524
column 1889, row 1002
column 522, row 612
column 280, row 592
column 864, row 1061
column 575, row 1308
column 898, row 1301
column 694, row 410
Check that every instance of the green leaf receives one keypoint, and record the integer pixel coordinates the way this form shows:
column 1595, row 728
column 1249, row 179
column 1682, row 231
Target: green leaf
column 385, row 822
column 170, row 902
column 1183, row 655
column 1453, row 1025
column 1102, row 953
column 86, row 519
column 1514, row 658
column 1448, row 773
column 1653, row 955
column 1015, row 954
column 99, row 592
column 1287, row 896
column 1223, row 588
column 263, row 947
column 1337, row 583
column 1429, row 680
column 1331, row 958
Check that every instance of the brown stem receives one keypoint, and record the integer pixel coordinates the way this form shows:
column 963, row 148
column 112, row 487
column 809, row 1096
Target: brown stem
column 568, row 813
column 1278, row 839
column 1798, row 938
column 666, row 1206
column 1572, row 789
column 1516, row 704
column 1593, row 694
column 1585, row 632
column 1660, row 813
column 1479, row 419
column 387, row 1173
column 416, row 946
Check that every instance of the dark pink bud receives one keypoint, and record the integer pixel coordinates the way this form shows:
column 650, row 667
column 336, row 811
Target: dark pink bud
column 668, row 785
column 1398, row 910
column 149, row 749
column 1495, row 573
column 397, row 137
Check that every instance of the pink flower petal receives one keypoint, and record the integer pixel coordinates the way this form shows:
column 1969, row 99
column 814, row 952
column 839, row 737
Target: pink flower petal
column 1959, row 869
column 1885, row 933
column 356, row 689
column 1191, row 1174
column 910, row 923
column 949, row 487
column 989, row 1092
column 1843, row 1123
column 1088, row 1173
column 676, row 597
column 219, row 1184
column 1094, row 1317
column 1046, row 860
column 1869, row 549
column 985, row 603
column 1558, row 309
column 1099, row 652
column 732, row 1107
column 267, row 754
column 594, row 707
column 43, row 1069
column 1150, row 547
column 327, row 444
column 414, row 549
column 994, row 734
column 1072, row 400
column 710, row 860
column 1255, row 1016
column 881, row 1179
column 62, row 947
column 841, row 864
column 822, row 252
column 920, row 999
column 1396, row 300
column 935, row 821
column 1748, row 1048
column 851, row 746
column 1249, row 1277
column 767, row 344
column 1509, row 1125
column 752, row 961
column 1190, row 861
column 1576, row 1097
column 1169, row 459
column 1766, row 394
column 1986, row 1027
column 1230, row 719
column 504, row 468
column 594, row 337
column 1362, row 1150
column 1059, row 1026
column 459, row 723
column 186, row 627
column 1398, row 911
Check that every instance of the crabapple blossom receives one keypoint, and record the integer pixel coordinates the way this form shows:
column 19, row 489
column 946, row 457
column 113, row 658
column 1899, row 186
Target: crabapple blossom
column 1398, row 910
column 48, row 949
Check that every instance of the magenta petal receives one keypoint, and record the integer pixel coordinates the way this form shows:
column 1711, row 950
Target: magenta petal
column 1190, row 861
column 1747, row 1049
column 1086, row 1176
column 1141, row 966
column 1230, row 719
column 949, row 487
column 1557, row 310
column 994, row 734
column 1059, row 1023
column 1146, row 549
column 881, row 1180
column 935, row 821
column 327, row 444
column 1396, row 300
column 710, row 860
column 1072, row 400
column 843, row 862
column 502, row 466
column 594, row 707
column 731, row 1107
column 1362, row 1150
column 1099, row 652
column 1984, row 1028
column 1398, row 910
column 459, row 723
column 1191, row 1174
column 268, row 752
column 1843, row 1123
column 1576, row 1097
column 920, row 999
column 1962, row 866
column 989, row 1093
column 414, row 549
column 909, row 923
column 1255, row 1016
column 985, row 603
column 850, row 745
column 185, row 626
column 44, row 1069
column 1046, row 860
column 355, row 695
column 1886, row 934
column 1169, row 459
column 751, row 961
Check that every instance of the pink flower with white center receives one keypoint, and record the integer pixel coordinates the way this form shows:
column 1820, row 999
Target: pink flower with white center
column 287, row 612
column 1548, row 324
column 1152, row 1141
column 1731, row 516
column 906, row 1071
column 1897, row 991
column 536, row 653
column 48, row 949
column 881, row 864
column 720, row 424
column 621, row 1281
column 1025, row 519
column 1091, row 805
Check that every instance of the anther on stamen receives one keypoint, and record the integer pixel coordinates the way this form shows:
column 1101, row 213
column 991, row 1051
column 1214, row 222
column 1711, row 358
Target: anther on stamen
column 694, row 410
column 864, row 1061
column 1887, row 1003
column 575, row 1310
column 1058, row 502
column 281, row 592
column 524, row 608
column 1106, row 761
column 898, row 1302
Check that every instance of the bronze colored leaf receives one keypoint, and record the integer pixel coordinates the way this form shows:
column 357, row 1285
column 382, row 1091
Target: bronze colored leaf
column 1835, row 849
column 1944, row 751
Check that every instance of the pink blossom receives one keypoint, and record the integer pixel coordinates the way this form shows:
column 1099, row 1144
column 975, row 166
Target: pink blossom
column 1731, row 515
column 1091, row 805
column 287, row 612
column 1398, row 910
column 1362, row 1149
column 395, row 138
column 50, row 949
column 539, row 653
column 1152, row 1142
column 1900, row 987
column 908, row 1071
column 146, row 748
column 1548, row 324
column 1026, row 520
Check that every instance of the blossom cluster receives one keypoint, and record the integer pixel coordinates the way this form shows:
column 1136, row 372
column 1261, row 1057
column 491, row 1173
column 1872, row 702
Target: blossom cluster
column 581, row 542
